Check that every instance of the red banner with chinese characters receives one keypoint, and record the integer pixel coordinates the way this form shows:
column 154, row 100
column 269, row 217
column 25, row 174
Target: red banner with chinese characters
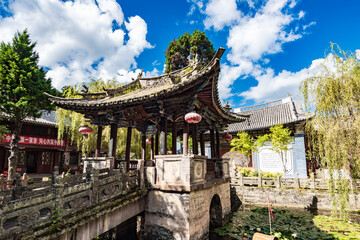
column 36, row 141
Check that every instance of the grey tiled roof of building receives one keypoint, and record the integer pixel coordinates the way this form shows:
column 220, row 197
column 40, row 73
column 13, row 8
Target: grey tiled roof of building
column 46, row 119
column 282, row 111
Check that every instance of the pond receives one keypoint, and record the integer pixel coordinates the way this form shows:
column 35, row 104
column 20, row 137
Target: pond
column 288, row 223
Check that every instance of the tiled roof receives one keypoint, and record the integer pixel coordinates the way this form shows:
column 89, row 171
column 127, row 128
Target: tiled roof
column 263, row 116
column 154, row 88
column 46, row 119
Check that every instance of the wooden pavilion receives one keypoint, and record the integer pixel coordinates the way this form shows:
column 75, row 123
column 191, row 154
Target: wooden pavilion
column 187, row 194
column 156, row 106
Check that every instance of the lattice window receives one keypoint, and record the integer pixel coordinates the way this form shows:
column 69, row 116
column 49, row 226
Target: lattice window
column 46, row 158
column 21, row 160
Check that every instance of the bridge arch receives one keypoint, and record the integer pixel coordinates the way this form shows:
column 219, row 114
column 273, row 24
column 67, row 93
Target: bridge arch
column 215, row 213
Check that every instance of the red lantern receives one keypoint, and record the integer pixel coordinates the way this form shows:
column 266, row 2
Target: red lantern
column 227, row 137
column 192, row 117
column 85, row 130
column 148, row 141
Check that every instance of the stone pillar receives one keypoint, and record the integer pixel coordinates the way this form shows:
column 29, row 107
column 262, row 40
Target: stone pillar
column 202, row 144
column 113, row 139
column 98, row 141
column 212, row 143
column 217, row 145
column 186, row 138
column 194, row 139
column 128, row 148
column 163, row 135
column 174, row 135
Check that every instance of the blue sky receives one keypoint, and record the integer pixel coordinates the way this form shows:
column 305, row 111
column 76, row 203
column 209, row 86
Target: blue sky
column 271, row 45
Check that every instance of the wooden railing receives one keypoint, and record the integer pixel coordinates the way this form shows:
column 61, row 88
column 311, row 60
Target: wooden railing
column 278, row 182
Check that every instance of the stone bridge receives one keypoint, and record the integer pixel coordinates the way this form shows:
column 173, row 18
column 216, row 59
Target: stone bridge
column 183, row 197
column 74, row 207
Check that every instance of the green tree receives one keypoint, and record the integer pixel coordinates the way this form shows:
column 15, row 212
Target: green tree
column 279, row 137
column 334, row 131
column 195, row 46
column 69, row 122
column 23, row 83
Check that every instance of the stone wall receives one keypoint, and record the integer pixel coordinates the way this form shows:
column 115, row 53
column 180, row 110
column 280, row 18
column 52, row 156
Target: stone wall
column 297, row 198
column 183, row 215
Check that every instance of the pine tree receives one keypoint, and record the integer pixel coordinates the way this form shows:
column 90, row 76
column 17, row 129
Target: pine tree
column 23, row 84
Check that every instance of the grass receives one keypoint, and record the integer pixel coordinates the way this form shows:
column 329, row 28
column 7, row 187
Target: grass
column 288, row 224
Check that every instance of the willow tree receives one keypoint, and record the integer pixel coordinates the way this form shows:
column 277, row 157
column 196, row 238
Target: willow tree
column 69, row 122
column 334, row 132
column 23, row 83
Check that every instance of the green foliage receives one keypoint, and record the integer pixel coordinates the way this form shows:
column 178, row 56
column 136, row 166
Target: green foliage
column 23, row 82
column 70, row 121
column 251, row 172
column 334, row 132
column 3, row 130
column 196, row 45
column 288, row 224
column 279, row 136
column 244, row 143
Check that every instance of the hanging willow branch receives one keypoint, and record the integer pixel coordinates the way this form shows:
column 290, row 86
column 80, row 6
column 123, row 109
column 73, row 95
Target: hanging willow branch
column 334, row 132
column 70, row 121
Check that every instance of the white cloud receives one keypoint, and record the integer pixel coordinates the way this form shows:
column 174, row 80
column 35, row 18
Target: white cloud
column 275, row 86
column 251, row 38
column 309, row 25
column 357, row 53
column 73, row 36
column 220, row 13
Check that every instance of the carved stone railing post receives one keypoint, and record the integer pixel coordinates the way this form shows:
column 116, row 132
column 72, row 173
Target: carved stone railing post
column 95, row 185
column 140, row 167
column 55, row 173
column 58, row 189
column 259, row 180
column 2, row 182
column 297, row 181
column 312, row 183
column 17, row 188
column 88, row 172
column 278, row 180
column 241, row 179
column 24, row 180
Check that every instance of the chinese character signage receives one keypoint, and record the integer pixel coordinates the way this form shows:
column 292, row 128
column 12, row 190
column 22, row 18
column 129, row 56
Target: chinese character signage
column 36, row 141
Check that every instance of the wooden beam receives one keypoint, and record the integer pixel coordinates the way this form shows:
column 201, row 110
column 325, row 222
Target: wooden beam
column 98, row 141
column 128, row 148
column 163, row 135
column 202, row 144
column 194, row 139
column 186, row 138
column 174, row 132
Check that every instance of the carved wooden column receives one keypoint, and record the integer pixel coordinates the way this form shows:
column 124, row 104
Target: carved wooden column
column 157, row 143
column 212, row 143
column 217, row 144
column 98, row 141
column 194, row 139
column 113, row 139
column 128, row 148
column 202, row 144
column 174, row 131
column 143, row 145
column 186, row 138
column 152, row 148
column 163, row 134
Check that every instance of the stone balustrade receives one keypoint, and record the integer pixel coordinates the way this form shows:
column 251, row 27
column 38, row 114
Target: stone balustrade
column 51, row 207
